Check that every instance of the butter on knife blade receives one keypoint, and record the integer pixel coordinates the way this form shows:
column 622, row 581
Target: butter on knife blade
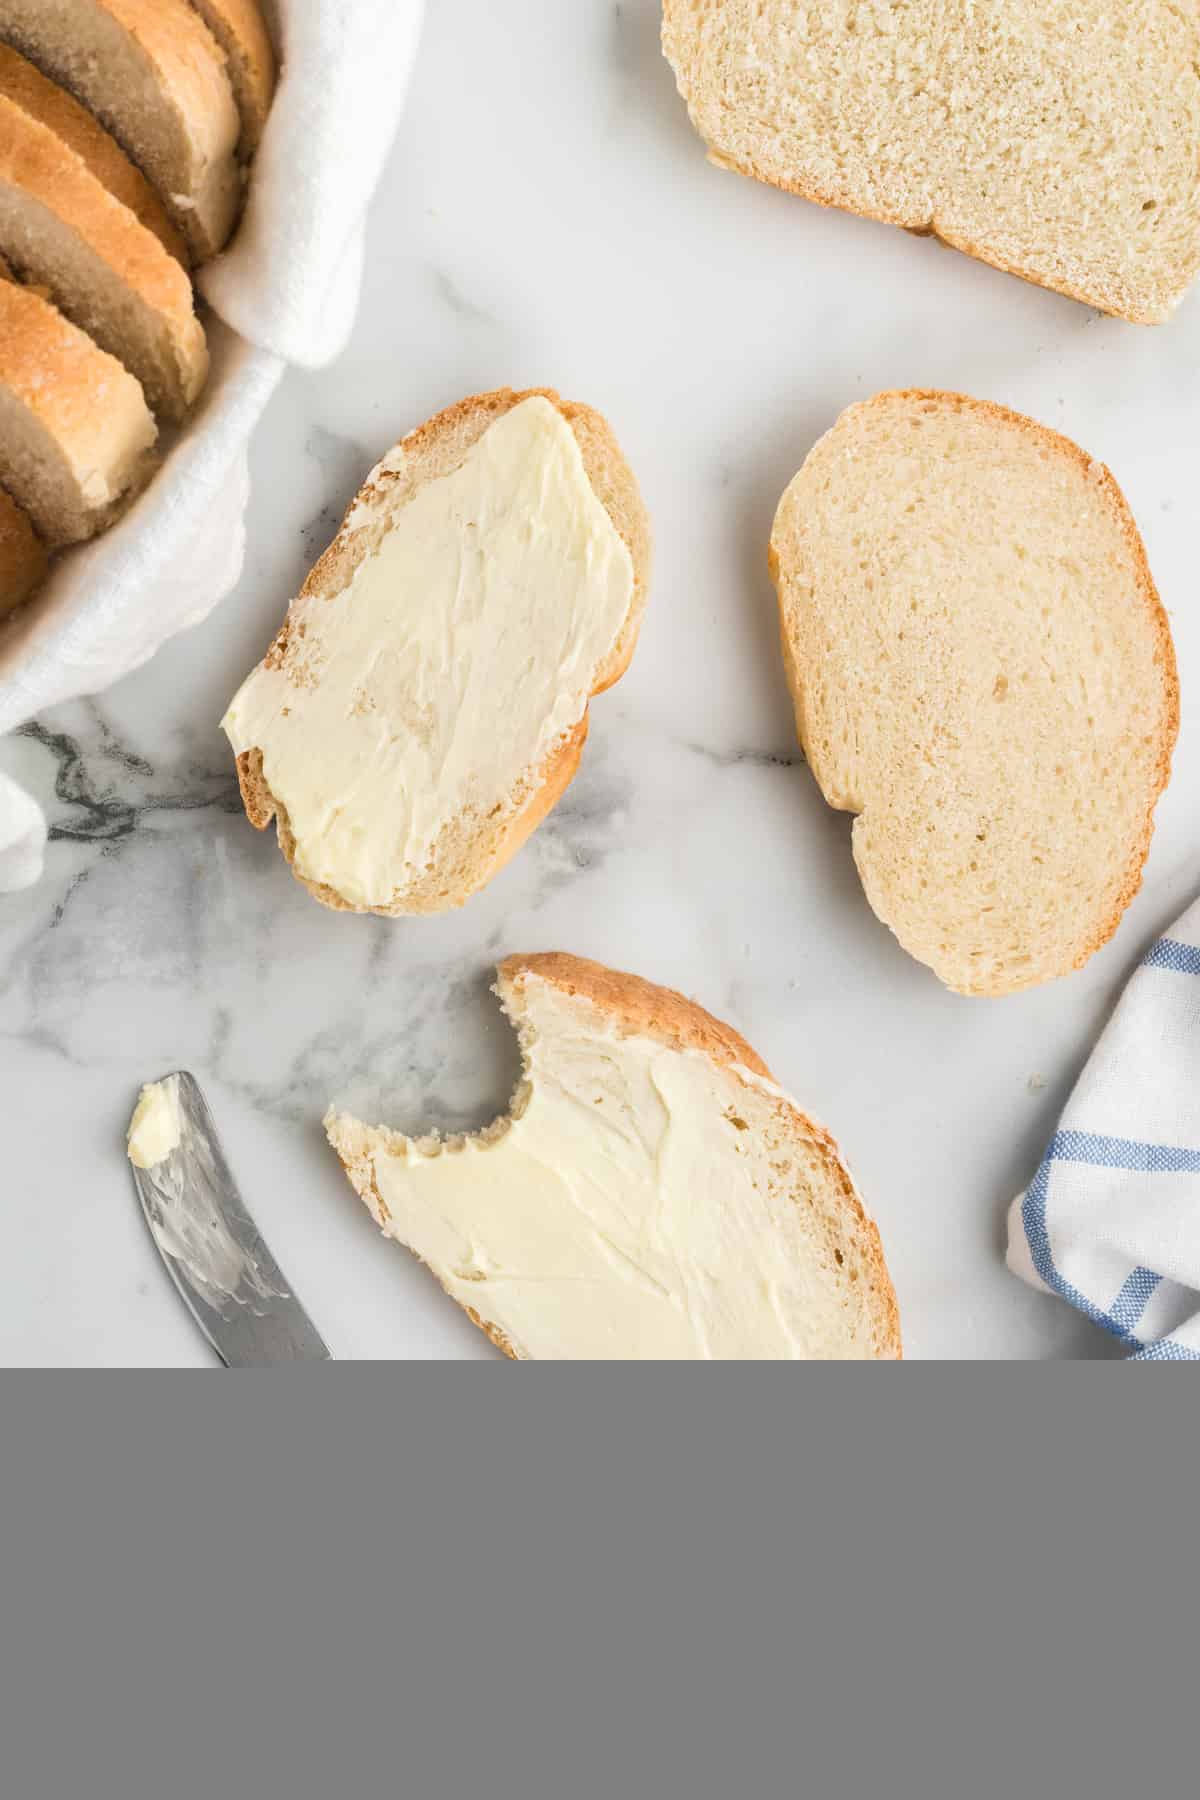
column 226, row 1275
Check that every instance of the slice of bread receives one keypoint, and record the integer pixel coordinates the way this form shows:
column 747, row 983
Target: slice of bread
column 425, row 704
column 651, row 1196
column 153, row 73
column 53, row 107
column 239, row 28
column 983, row 673
column 1056, row 139
column 62, row 229
column 22, row 556
column 76, row 437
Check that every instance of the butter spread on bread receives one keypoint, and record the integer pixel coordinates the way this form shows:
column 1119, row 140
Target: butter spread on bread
column 653, row 1195
column 426, row 700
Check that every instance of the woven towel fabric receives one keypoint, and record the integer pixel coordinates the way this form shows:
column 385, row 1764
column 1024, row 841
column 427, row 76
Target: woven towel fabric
column 1111, row 1220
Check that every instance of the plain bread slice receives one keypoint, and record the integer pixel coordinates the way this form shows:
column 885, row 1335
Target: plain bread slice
column 63, row 230
column 22, row 555
column 1055, row 139
column 240, row 29
column 983, row 674
column 53, row 107
column 153, row 73
column 76, row 437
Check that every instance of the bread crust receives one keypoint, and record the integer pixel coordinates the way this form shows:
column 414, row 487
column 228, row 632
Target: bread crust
column 241, row 31
column 54, row 108
column 433, row 450
column 22, row 556
column 184, row 65
column 1122, row 517
column 87, row 404
column 1118, row 304
column 36, row 162
column 639, row 1008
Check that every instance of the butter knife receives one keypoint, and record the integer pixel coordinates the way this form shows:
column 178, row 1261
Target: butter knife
column 213, row 1251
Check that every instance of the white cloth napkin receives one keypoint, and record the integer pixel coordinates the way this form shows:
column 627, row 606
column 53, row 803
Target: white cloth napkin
column 1111, row 1220
column 286, row 292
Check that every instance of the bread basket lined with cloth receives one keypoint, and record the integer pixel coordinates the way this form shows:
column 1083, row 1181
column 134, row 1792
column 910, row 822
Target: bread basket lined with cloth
column 285, row 292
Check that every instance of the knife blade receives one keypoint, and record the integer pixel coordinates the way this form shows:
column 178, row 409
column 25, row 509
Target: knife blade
column 214, row 1252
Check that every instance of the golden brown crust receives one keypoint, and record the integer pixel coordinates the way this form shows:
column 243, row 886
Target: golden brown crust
column 22, row 556
column 240, row 30
column 1122, row 517
column 433, row 450
column 178, row 75
column 54, row 108
column 36, row 162
column 79, row 395
column 640, row 1008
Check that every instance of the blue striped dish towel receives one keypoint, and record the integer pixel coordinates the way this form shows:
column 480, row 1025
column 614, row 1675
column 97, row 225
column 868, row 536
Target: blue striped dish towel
column 1111, row 1220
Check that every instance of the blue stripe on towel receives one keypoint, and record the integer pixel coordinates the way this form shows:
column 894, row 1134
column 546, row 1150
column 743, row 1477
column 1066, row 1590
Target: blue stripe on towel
column 1122, row 1153
column 1166, row 1351
column 1169, row 953
column 1033, row 1217
column 1134, row 1297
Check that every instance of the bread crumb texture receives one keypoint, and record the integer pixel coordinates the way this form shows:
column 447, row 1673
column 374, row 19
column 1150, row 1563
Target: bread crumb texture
column 1056, row 139
column 651, row 1195
column 982, row 672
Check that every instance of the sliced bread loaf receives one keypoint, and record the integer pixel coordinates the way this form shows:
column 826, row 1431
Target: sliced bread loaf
column 1057, row 139
column 983, row 673
column 53, row 107
column 153, row 73
column 425, row 704
column 76, row 436
column 62, row 229
column 22, row 555
column 651, row 1196
column 239, row 28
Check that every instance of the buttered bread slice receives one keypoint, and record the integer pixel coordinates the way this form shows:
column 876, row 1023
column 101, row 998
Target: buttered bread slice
column 651, row 1196
column 983, row 673
column 425, row 704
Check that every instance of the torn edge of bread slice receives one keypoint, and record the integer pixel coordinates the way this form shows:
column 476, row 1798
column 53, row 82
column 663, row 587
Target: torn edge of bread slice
column 240, row 29
column 652, row 1194
column 1057, row 142
column 62, row 114
column 63, row 230
column 152, row 72
column 425, row 704
column 76, row 436
column 23, row 560
column 983, row 674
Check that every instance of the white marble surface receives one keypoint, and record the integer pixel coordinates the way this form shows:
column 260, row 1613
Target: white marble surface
column 548, row 217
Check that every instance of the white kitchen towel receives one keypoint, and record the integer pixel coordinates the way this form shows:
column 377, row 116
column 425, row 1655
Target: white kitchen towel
column 286, row 292
column 1111, row 1220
